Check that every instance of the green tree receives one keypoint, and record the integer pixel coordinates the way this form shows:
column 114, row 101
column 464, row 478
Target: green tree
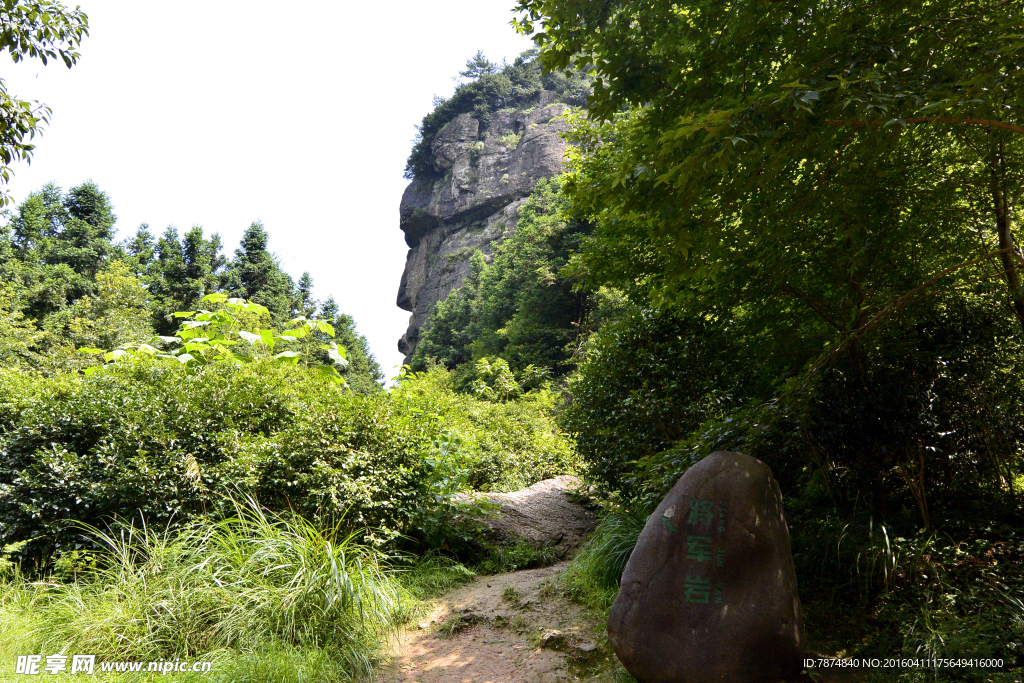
column 60, row 242
column 530, row 313
column 306, row 304
column 255, row 274
column 362, row 374
column 118, row 313
column 743, row 137
column 37, row 29
column 181, row 272
column 478, row 65
column 141, row 249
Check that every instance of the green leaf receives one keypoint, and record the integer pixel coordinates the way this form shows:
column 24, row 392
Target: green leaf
column 268, row 339
column 288, row 357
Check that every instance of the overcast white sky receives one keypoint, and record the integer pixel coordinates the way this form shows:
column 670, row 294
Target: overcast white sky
column 218, row 113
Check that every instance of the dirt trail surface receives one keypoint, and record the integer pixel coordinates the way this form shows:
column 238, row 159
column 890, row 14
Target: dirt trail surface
column 508, row 628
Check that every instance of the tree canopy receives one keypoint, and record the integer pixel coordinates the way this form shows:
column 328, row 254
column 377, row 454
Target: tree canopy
column 35, row 29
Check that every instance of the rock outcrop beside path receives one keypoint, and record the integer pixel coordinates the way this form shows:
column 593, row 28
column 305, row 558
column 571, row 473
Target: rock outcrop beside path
column 546, row 514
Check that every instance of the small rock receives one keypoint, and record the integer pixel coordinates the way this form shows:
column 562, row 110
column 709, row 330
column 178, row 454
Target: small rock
column 423, row 625
column 554, row 640
column 583, row 652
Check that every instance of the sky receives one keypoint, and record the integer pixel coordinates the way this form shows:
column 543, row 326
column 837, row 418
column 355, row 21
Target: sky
column 223, row 112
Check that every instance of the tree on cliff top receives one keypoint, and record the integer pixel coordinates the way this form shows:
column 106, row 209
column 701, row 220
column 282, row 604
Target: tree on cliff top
column 478, row 65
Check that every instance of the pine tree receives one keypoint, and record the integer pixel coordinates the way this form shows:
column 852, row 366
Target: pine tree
column 256, row 275
column 363, row 374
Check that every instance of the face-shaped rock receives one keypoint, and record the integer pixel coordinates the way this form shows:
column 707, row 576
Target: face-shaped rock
column 709, row 593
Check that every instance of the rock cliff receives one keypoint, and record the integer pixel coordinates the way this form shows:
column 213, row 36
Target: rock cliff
column 484, row 174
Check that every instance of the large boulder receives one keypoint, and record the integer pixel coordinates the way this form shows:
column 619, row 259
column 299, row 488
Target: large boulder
column 547, row 514
column 709, row 593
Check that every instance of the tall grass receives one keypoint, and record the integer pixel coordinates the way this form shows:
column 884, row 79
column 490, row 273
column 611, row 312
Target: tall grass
column 255, row 583
column 592, row 578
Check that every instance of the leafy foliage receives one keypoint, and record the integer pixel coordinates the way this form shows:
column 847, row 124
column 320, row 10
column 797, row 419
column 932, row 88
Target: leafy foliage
column 70, row 285
column 167, row 440
column 35, row 29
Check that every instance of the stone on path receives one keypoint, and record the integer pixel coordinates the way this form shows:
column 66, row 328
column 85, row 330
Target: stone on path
column 709, row 593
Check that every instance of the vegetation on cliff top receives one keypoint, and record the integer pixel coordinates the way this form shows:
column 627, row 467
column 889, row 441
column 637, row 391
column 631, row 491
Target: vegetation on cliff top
column 490, row 88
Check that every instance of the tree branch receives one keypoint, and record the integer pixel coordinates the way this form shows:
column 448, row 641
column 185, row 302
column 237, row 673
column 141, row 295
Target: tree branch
column 988, row 123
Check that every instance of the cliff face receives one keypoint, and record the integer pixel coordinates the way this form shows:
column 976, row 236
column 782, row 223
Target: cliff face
column 487, row 174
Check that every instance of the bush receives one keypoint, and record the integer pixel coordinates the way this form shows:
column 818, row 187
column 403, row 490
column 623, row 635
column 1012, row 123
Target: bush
column 497, row 446
column 166, row 442
column 647, row 381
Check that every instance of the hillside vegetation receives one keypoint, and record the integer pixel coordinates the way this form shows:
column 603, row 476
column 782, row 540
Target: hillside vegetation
column 784, row 229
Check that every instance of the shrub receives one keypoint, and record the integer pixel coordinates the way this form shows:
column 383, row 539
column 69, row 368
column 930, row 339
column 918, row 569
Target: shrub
column 164, row 441
column 647, row 381
column 158, row 439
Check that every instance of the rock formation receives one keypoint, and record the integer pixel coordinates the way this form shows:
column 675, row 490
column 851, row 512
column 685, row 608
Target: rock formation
column 709, row 593
column 484, row 173
column 544, row 515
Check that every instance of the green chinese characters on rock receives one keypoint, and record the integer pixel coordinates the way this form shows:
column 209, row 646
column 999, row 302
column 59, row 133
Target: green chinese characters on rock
column 699, row 587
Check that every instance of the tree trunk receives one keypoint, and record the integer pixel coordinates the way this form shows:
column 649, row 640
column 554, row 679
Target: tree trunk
column 1004, row 229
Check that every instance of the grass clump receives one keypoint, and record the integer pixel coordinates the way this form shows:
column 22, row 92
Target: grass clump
column 432, row 575
column 452, row 625
column 511, row 595
column 521, row 555
column 260, row 594
column 592, row 578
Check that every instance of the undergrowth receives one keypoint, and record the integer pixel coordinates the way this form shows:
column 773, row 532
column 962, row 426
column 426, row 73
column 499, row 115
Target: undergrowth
column 265, row 597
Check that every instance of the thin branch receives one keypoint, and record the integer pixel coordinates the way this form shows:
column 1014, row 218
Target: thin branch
column 988, row 123
column 901, row 302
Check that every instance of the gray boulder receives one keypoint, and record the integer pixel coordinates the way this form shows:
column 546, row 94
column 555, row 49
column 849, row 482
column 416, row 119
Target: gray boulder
column 709, row 593
column 544, row 515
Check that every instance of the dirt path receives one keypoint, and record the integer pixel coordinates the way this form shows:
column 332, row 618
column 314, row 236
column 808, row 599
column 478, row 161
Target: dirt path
column 508, row 628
